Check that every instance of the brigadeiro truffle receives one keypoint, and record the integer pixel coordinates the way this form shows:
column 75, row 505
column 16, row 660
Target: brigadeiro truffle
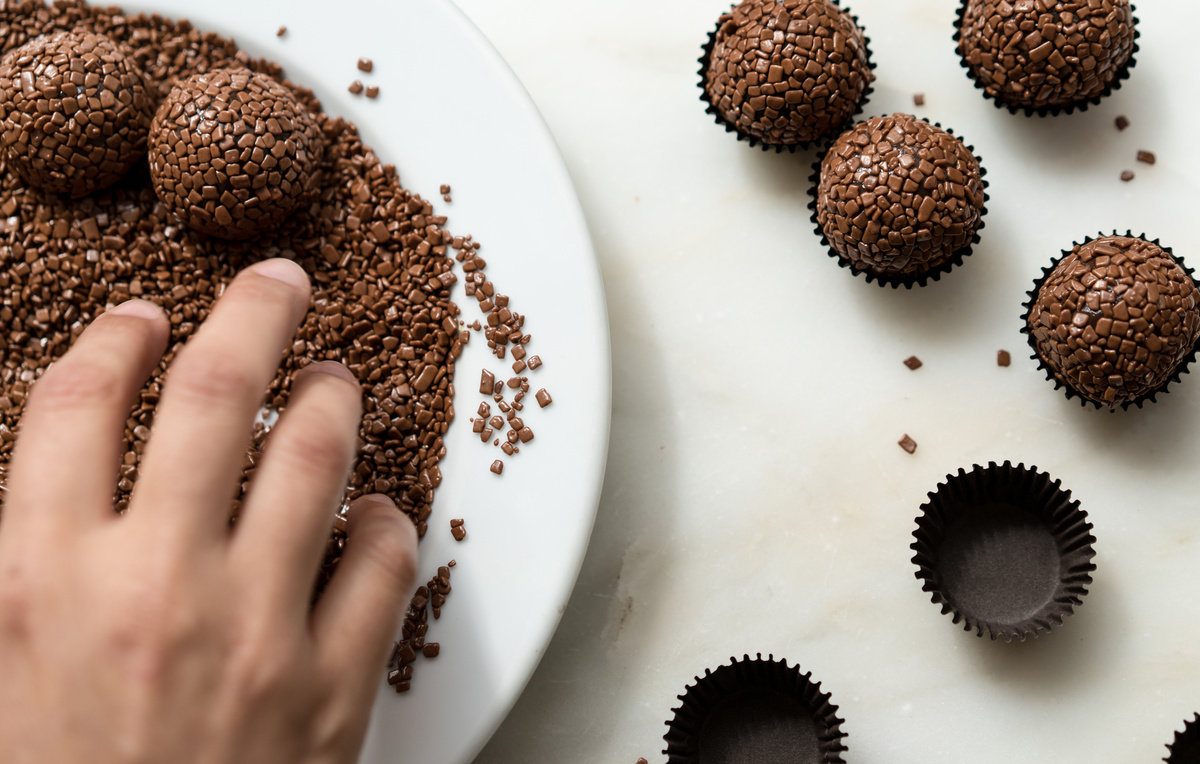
column 784, row 73
column 74, row 112
column 1004, row 550
column 1045, row 56
column 755, row 710
column 1186, row 747
column 1114, row 320
column 899, row 199
column 233, row 153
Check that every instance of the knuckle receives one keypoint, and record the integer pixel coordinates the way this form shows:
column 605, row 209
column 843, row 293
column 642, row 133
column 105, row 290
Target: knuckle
column 76, row 383
column 380, row 539
column 210, row 379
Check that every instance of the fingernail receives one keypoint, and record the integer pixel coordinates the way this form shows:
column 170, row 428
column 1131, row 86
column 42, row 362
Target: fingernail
column 332, row 368
column 138, row 309
column 282, row 269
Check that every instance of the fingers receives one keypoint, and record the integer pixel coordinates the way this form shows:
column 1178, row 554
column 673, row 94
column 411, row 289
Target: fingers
column 359, row 612
column 213, row 391
column 285, row 520
column 67, row 457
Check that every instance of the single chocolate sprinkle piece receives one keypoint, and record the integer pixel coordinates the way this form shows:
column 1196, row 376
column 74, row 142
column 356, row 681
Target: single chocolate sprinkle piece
column 1038, row 54
column 281, row 32
column 497, row 467
column 534, row 362
column 908, row 444
column 1003, row 358
column 372, row 91
column 458, row 530
column 445, row 189
column 918, row 99
column 642, row 760
column 898, row 196
column 543, row 398
column 233, row 153
column 365, row 64
column 356, row 87
column 74, row 111
column 1114, row 319
column 525, row 434
column 912, row 362
column 1146, row 157
column 487, row 382
column 1127, row 175
column 1122, row 122
column 431, row 649
column 786, row 74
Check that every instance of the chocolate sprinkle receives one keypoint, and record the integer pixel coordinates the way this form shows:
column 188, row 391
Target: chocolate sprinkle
column 365, row 64
column 356, row 87
column 74, row 112
column 373, row 92
column 1003, row 358
column 908, row 444
column 899, row 197
column 1127, row 175
column 1043, row 54
column 786, row 73
column 913, row 362
column 918, row 99
column 1115, row 319
column 1122, row 122
column 1146, row 157
column 281, row 32
column 233, row 153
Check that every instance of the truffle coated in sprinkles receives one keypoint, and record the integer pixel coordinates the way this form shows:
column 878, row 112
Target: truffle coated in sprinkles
column 233, row 153
column 1115, row 319
column 74, row 112
column 1037, row 54
column 787, row 73
column 898, row 196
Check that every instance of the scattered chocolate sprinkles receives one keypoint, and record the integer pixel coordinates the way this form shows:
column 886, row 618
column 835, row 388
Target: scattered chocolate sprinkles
column 1127, row 175
column 372, row 91
column 1003, row 358
column 1122, row 122
column 365, row 64
column 908, row 444
column 913, row 362
column 431, row 596
column 543, row 398
column 497, row 467
column 457, row 529
column 918, row 99
column 356, row 87
column 281, row 31
column 1146, row 157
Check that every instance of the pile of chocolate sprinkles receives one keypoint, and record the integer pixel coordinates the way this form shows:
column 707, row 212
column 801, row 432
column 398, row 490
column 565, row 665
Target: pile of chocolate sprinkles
column 381, row 263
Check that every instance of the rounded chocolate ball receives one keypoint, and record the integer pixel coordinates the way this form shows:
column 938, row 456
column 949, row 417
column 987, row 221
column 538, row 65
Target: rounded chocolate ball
column 74, row 112
column 786, row 72
column 898, row 197
column 1114, row 319
column 1036, row 54
column 233, row 153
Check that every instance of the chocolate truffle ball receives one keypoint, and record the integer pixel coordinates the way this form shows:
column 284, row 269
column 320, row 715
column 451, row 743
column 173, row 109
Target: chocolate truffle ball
column 74, row 112
column 1114, row 319
column 233, row 153
column 1041, row 54
column 898, row 197
column 786, row 72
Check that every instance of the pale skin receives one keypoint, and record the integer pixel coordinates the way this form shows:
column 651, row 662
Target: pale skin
column 162, row 636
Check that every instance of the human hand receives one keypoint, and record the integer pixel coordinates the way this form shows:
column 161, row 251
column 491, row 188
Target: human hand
column 163, row 636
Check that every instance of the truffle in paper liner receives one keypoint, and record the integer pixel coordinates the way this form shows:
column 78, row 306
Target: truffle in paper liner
column 1154, row 316
column 1004, row 550
column 755, row 711
column 1186, row 747
column 784, row 101
column 1043, row 55
column 899, row 172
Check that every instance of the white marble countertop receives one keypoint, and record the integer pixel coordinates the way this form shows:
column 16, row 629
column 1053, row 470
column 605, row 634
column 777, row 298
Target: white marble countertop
column 756, row 500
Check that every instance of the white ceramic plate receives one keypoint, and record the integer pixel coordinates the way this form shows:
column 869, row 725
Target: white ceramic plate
column 450, row 111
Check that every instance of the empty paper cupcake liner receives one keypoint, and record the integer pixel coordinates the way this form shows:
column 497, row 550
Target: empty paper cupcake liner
column 1004, row 550
column 711, row 108
column 754, row 710
column 883, row 280
column 1068, row 390
column 1186, row 747
column 1045, row 111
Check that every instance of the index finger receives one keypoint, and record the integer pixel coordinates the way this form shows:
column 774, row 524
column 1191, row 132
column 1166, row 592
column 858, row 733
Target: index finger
column 212, row 393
